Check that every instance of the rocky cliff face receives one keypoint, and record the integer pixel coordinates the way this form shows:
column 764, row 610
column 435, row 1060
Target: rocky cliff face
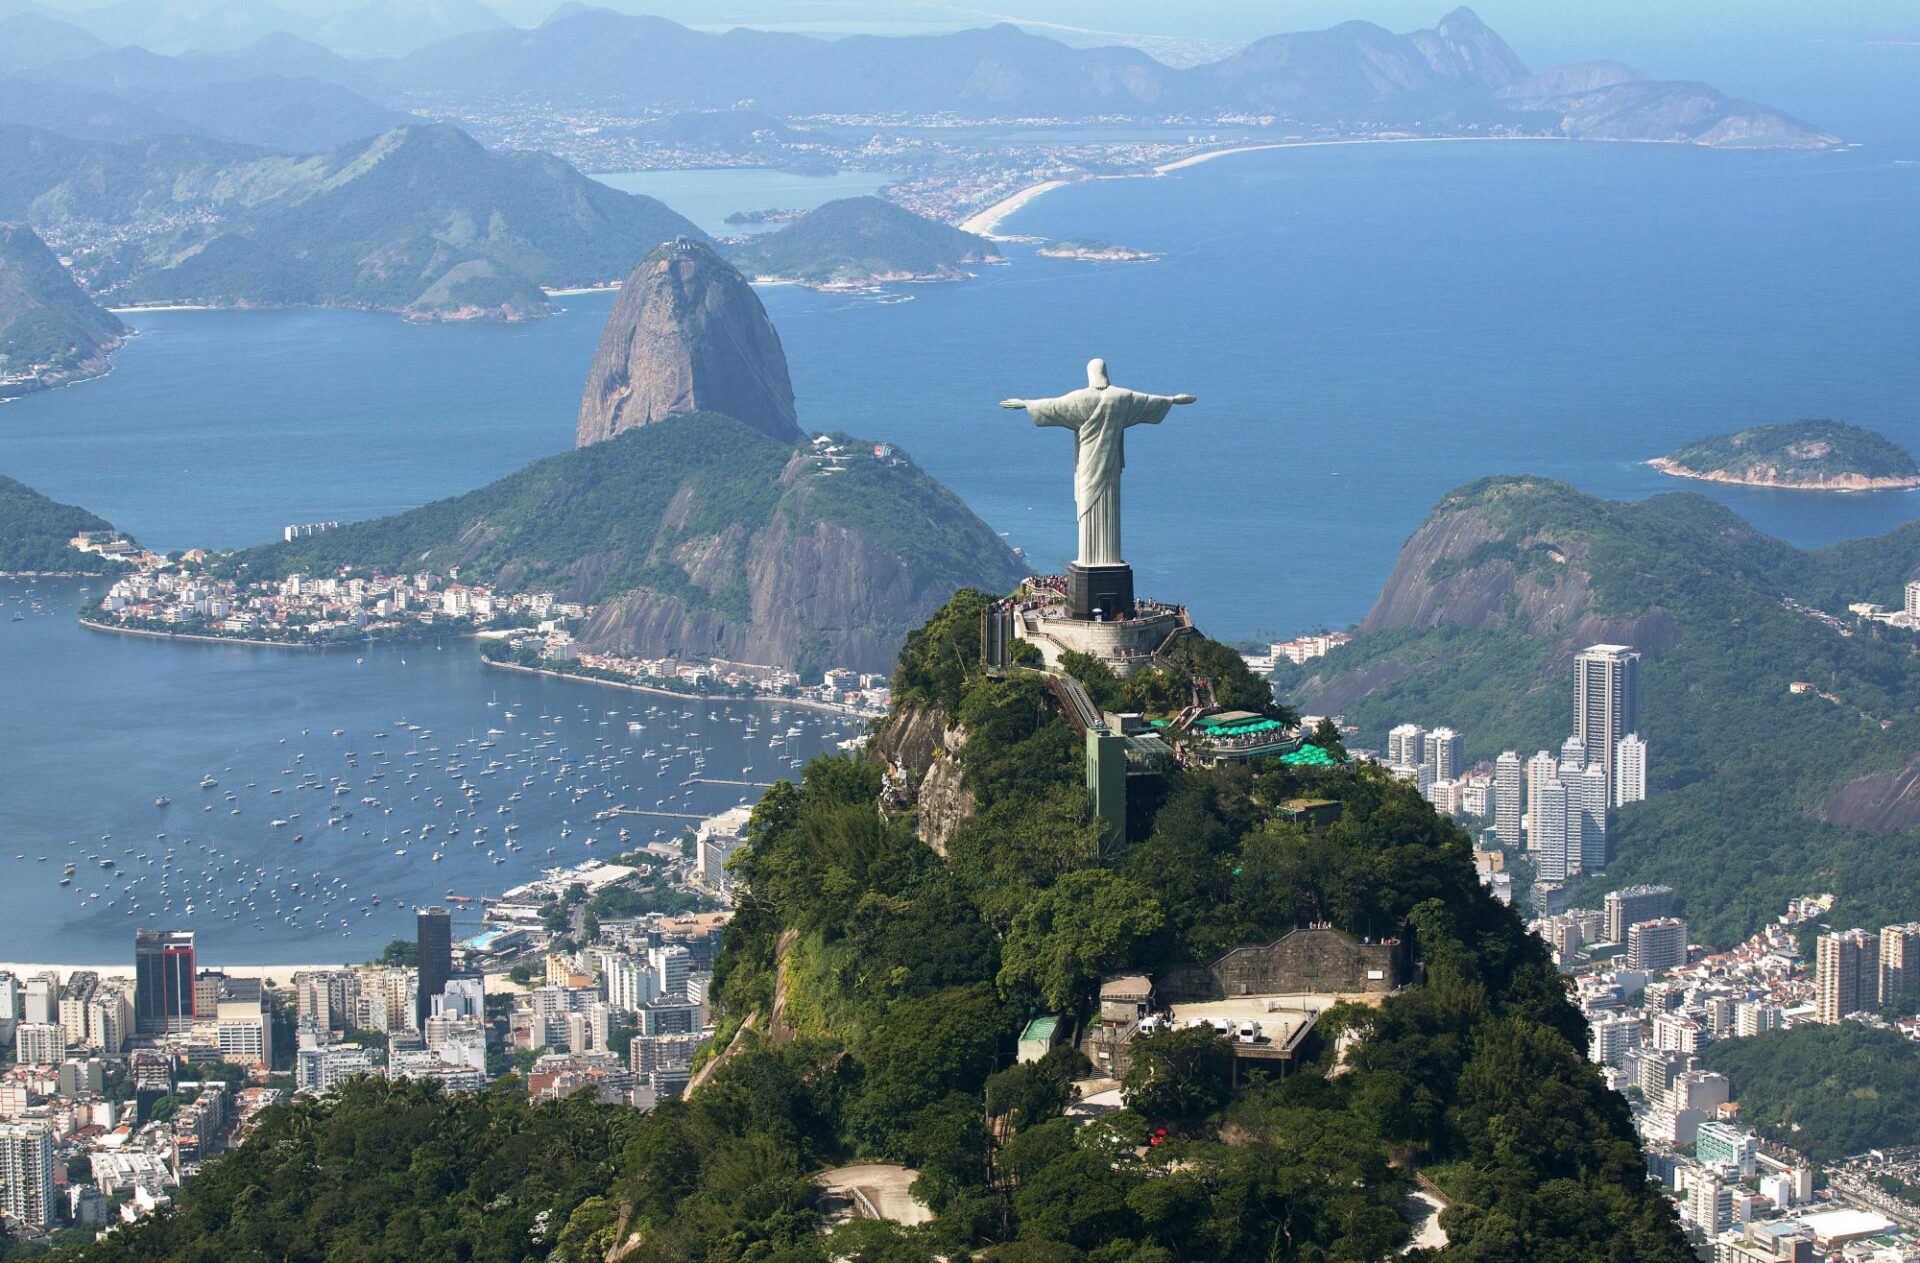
column 813, row 586
column 686, row 334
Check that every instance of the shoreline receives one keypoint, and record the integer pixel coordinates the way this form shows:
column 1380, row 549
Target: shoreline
column 203, row 638
column 1859, row 483
column 656, row 690
column 984, row 222
column 124, row 969
column 987, row 222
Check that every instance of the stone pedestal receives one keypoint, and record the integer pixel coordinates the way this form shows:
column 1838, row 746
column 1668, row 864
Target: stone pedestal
column 1107, row 589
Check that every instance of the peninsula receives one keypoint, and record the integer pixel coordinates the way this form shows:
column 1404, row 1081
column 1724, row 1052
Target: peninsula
column 1797, row 456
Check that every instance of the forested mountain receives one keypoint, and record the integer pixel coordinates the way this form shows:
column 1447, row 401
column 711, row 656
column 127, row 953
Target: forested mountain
column 860, row 239
column 51, row 333
column 1806, row 455
column 420, row 220
column 869, row 992
column 34, row 531
column 1756, row 793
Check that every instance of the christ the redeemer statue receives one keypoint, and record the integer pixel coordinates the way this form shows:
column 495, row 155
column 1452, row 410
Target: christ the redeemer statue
column 1099, row 417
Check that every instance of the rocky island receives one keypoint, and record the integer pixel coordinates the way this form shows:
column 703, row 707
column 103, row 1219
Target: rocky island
column 1797, row 456
column 1094, row 252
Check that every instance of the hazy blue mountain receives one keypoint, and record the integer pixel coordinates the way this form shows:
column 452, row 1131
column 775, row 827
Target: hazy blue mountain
column 170, row 26
column 34, row 39
column 420, row 219
column 387, row 27
column 1457, row 75
column 293, row 115
column 289, row 55
column 71, row 110
column 1356, row 68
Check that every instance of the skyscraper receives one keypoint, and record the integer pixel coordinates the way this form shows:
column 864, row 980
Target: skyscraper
column 1542, row 771
column 26, row 1173
column 1635, row 903
column 1589, row 792
column 433, row 929
column 162, row 981
column 1573, row 755
column 1555, row 853
column 1507, row 781
column 1656, row 945
column 1899, row 962
column 1407, row 746
column 1444, row 750
column 1629, row 770
column 1846, row 975
column 1606, row 699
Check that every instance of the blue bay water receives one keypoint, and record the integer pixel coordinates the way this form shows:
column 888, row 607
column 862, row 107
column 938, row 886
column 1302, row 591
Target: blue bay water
column 1366, row 327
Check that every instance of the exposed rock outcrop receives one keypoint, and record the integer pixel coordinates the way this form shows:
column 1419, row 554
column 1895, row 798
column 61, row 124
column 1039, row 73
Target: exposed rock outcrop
column 686, row 334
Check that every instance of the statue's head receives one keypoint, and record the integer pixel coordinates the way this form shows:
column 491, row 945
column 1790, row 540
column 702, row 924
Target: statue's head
column 1097, row 374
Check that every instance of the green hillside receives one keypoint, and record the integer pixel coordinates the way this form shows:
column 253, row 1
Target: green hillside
column 421, row 220
column 699, row 536
column 1796, row 453
column 50, row 331
column 34, row 532
column 1755, row 794
column 868, row 995
column 589, row 520
column 861, row 239
column 1829, row 1091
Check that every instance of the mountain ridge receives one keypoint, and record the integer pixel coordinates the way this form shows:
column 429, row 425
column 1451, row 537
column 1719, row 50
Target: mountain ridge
column 1509, row 577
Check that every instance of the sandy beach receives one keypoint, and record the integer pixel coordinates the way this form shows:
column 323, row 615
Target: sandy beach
column 984, row 222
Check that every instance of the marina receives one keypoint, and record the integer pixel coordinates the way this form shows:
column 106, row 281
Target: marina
column 320, row 798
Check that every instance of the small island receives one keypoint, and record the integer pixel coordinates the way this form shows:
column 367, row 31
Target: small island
column 1797, row 456
column 1095, row 252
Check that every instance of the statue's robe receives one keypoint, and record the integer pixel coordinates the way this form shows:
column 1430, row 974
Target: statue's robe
column 1099, row 419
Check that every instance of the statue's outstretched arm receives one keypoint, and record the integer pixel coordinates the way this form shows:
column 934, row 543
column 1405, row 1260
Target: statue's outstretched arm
column 1013, row 403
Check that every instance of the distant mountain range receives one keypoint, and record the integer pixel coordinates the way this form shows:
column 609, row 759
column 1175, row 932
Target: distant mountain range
column 420, row 220
column 1458, row 76
column 51, row 333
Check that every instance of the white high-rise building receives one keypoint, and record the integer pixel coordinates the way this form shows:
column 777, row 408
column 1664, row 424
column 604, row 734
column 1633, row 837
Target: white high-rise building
column 1507, row 800
column 40, row 1043
column 1629, row 770
column 630, row 984
column 1542, row 771
column 1407, row 746
column 1445, row 749
column 1555, row 852
column 1606, row 699
column 1610, row 1039
column 1589, row 791
column 1913, row 598
column 26, row 1173
column 1573, row 756
column 671, row 964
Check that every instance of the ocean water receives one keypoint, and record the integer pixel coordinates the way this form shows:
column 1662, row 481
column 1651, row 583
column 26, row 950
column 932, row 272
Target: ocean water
column 1366, row 328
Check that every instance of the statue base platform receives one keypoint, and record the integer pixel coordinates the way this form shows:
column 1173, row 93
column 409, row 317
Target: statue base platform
column 1098, row 592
